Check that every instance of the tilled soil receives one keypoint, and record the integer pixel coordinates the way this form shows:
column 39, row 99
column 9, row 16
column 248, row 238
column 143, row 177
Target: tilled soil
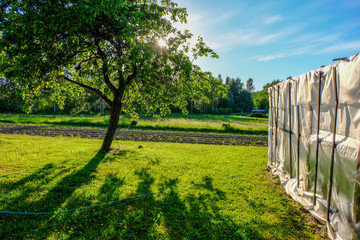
column 137, row 135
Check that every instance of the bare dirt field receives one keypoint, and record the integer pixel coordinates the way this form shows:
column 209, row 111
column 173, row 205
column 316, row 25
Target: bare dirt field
column 138, row 135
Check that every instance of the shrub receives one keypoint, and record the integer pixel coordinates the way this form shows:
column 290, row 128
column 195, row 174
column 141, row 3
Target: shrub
column 224, row 111
column 133, row 123
column 226, row 126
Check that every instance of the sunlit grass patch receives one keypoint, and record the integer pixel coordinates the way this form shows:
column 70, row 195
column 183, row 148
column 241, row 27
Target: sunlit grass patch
column 184, row 191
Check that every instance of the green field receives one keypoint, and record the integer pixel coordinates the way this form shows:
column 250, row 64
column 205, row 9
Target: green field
column 175, row 122
column 184, row 191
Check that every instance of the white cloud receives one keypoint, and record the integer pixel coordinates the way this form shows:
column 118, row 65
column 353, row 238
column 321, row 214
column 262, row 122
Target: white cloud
column 201, row 23
column 299, row 51
column 316, row 38
column 271, row 57
column 272, row 20
column 312, row 49
column 339, row 47
column 226, row 16
column 253, row 37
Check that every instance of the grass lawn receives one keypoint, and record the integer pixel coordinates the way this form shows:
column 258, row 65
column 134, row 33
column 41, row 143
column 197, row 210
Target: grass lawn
column 184, row 191
column 177, row 122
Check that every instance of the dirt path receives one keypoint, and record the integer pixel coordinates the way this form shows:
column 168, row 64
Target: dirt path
column 137, row 135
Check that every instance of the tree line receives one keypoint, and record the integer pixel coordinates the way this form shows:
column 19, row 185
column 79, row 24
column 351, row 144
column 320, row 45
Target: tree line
column 223, row 96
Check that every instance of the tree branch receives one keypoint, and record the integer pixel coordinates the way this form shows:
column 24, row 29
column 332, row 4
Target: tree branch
column 131, row 76
column 98, row 92
column 87, row 60
column 121, row 78
column 105, row 69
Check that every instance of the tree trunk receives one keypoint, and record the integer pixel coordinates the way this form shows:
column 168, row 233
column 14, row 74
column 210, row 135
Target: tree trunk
column 113, row 124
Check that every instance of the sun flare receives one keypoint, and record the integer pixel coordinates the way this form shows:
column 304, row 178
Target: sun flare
column 161, row 42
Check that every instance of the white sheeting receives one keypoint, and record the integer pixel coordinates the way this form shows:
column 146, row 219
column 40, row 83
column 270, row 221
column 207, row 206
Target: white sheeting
column 294, row 112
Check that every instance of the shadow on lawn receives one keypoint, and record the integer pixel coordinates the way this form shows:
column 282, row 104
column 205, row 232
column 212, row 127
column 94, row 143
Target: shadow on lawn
column 28, row 187
column 166, row 215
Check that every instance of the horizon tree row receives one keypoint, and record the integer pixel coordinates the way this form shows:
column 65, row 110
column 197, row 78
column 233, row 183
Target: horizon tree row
column 221, row 97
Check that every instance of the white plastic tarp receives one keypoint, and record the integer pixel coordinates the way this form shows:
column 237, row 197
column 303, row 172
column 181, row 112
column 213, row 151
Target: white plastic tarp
column 314, row 142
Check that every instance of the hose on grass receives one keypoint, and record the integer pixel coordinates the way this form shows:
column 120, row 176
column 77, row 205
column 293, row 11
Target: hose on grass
column 131, row 198
column 12, row 173
column 81, row 208
column 101, row 204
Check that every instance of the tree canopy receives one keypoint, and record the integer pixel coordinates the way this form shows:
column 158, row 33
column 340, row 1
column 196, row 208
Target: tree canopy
column 110, row 47
column 261, row 98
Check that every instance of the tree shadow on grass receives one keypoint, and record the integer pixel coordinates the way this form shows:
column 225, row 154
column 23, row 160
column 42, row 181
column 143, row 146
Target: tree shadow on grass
column 174, row 213
column 56, row 196
column 110, row 189
column 165, row 215
column 25, row 187
column 51, row 201
column 19, row 192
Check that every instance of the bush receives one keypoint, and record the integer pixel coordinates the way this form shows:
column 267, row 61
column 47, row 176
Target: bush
column 226, row 126
column 257, row 115
column 133, row 123
column 224, row 111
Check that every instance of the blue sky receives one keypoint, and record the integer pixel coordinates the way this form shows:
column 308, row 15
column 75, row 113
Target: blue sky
column 268, row 40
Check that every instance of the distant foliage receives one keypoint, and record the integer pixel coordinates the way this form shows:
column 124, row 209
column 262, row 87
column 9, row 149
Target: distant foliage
column 261, row 98
column 250, row 85
column 238, row 99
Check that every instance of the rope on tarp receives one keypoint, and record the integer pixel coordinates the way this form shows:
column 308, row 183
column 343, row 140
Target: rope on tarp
column 333, row 145
column 298, row 135
column 317, row 140
column 271, row 124
column 274, row 127
column 277, row 122
column 290, row 130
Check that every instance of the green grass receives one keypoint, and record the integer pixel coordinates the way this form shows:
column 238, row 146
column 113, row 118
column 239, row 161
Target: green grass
column 206, row 192
column 174, row 122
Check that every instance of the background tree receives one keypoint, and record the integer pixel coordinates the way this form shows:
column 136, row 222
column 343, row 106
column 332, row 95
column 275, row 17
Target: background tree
column 250, row 85
column 245, row 101
column 213, row 89
column 261, row 98
column 109, row 47
column 10, row 100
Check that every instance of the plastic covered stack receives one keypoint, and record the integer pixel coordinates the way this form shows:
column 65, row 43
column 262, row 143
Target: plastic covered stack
column 314, row 143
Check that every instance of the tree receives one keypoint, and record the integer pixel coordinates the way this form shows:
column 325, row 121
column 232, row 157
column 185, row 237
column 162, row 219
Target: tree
column 245, row 100
column 250, row 85
column 261, row 98
column 239, row 100
column 109, row 47
column 207, row 99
